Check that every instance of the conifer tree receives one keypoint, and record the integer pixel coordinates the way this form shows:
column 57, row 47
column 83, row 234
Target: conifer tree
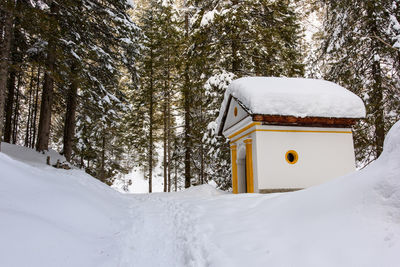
column 52, row 34
column 169, row 23
column 5, row 49
column 234, row 39
column 149, row 83
column 359, row 55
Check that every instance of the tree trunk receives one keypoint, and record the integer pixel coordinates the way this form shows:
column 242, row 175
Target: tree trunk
column 35, row 108
column 69, row 125
column 186, row 96
column 169, row 142
column 377, row 89
column 201, row 164
column 176, row 172
column 16, row 113
column 9, row 106
column 168, row 122
column 82, row 162
column 165, row 143
column 201, row 148
column 48, row 86
column 234, row 45
column 28, row 131
column 15, row 60
column 103, row 158
column 4, row 62
column 151, row 147
column 379, row 118
column 151, row 110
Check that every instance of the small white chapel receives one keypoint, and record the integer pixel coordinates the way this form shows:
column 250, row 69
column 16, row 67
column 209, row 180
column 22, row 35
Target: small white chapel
column 288, row 134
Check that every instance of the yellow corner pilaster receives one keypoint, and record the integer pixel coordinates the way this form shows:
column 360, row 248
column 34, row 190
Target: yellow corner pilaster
column 234, row 169
column 249, row 166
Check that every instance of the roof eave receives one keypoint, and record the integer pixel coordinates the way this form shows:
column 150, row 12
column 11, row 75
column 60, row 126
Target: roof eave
column 221, row 125
column 314, row 121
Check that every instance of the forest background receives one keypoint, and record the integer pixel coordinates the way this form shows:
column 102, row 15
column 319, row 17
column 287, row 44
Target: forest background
column 105, row 81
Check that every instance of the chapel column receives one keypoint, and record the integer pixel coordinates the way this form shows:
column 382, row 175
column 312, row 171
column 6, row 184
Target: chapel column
column 249, row 165
column 234, row 168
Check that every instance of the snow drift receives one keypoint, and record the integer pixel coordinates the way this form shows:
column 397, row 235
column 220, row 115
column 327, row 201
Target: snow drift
column 52, row 217
column 351, row 221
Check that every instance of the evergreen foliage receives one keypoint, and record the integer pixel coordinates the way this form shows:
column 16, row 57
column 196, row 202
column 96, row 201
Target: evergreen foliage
column 156, row 99
column 357, row 53
column 78, row 52
column 214, row 42
column 111, row 94
column 235, row 39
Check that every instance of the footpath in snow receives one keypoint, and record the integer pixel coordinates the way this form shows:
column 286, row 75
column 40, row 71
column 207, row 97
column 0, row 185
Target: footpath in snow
column 53, row 217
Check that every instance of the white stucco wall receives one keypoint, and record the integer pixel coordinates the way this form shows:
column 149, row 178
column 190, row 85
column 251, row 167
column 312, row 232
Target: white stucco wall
column 322, row 156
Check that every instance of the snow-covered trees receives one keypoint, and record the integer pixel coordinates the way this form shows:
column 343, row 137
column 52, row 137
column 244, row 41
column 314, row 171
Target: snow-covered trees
column 216, row 41
column 234, row 39
column 395, row 24
column 6, row 17
column 158, row 68
column 256, row 37
column 359, row 53
column 108, row 109
column 77, row 52
column 215, row 146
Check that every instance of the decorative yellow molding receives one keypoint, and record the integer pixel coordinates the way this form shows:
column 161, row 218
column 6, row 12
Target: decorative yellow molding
column 301, row 131
column 244, row 129
column 234, row 169
column 288, row 131
column 249, row 166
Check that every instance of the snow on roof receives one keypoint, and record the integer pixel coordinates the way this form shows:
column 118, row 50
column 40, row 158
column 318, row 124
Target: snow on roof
column 297, row 97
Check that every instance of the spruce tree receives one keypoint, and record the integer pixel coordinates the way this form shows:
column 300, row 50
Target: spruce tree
column 5, row 51
column 359, row 55
column 235, row 39
column 149, row 84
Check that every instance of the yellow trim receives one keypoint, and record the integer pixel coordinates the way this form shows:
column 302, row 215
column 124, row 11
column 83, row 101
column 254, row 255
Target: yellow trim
column 234, row 170
column 296, row 156
column 244, row 129
column 303, row 131
column 288, row 131
column 249, row 166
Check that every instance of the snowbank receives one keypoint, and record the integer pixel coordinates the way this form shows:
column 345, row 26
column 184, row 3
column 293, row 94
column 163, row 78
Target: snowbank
column 297, row 97
column 351, row 221
column 202, row 191
column 53, row 217
column 31, row 156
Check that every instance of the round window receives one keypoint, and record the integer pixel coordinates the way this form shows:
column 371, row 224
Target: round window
column 291, row 157
column 235, row 111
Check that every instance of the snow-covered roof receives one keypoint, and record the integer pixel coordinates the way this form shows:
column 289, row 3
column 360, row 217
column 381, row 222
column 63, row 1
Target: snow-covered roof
column 298, row 97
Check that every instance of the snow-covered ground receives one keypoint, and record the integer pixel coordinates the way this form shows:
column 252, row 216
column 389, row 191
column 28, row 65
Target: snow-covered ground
column 53, row 217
